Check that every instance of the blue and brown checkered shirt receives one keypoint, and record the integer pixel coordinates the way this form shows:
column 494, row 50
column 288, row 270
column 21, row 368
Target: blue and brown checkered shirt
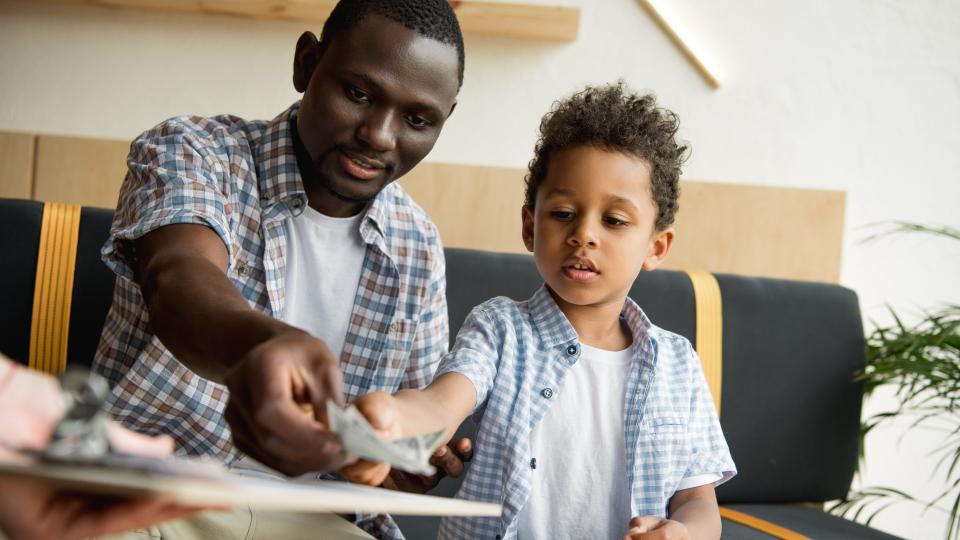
column 516, row 354
column 241, row 179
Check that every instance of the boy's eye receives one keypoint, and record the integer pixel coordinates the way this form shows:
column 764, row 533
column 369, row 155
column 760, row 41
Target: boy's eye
column 562, row 215
column 417, row 121
column 615, row 221
column 356, row 94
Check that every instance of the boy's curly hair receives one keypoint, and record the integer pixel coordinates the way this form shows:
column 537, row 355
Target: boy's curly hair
column 613, row 118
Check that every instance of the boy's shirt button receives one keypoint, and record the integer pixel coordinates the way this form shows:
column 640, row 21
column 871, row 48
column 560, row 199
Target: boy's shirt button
column 572, row 350
column 547, row 393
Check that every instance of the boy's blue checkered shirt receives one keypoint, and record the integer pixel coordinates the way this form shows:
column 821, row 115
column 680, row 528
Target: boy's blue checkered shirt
column 240, row 178
column 516, row 354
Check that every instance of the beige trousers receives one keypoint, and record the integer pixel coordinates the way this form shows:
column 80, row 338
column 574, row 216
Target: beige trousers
column 247, row 524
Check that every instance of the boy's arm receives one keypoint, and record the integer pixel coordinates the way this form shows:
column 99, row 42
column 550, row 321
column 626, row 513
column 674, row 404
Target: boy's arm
column 694, row 515
column 442, row 405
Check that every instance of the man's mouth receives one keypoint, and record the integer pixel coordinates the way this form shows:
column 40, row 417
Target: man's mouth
column 360, row 166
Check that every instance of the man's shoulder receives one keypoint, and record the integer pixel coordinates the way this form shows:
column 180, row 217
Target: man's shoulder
column 409, row 220
column 201, row 132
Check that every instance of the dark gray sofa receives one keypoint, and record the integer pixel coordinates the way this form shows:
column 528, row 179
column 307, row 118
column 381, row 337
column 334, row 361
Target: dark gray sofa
column 790, row 406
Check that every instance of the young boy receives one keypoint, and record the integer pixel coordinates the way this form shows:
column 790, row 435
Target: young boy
column 589, row 415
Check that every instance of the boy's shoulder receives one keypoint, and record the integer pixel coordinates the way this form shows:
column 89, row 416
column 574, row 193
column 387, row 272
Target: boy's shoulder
column 499, row 307
column 672, row 348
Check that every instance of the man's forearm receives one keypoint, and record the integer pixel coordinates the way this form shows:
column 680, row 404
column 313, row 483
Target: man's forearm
column 200, row 315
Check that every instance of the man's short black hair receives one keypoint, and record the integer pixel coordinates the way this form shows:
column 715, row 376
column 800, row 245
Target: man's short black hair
column 615, row 119
column 433, row 19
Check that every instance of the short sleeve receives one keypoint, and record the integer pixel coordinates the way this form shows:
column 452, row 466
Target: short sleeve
column 474, row 354
column 709, row 452
column 171, row 179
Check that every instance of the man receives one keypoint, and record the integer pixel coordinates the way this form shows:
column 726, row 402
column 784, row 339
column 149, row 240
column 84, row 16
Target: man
column 254, row 255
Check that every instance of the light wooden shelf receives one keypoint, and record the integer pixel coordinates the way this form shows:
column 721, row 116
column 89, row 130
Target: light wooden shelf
column 477, row 17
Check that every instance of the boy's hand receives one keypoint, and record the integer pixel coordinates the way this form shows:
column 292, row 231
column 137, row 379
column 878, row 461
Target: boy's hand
column 448, row 459
column 380, row 409
column 655, row 528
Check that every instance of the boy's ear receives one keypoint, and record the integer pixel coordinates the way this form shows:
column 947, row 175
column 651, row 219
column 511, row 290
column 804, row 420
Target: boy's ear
column 659, row 246
column 526, row 216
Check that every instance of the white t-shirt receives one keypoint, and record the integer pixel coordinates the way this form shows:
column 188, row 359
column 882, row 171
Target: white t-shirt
column 324, row 260
column 579, row 485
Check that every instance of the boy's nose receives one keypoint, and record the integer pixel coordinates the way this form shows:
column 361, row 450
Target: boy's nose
column 582, row 235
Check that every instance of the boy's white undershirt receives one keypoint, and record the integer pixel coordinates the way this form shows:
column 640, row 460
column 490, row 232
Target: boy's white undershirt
column 324, row 259
column 580, row 481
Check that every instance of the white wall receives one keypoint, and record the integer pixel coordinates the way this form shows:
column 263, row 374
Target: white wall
column 854, row 95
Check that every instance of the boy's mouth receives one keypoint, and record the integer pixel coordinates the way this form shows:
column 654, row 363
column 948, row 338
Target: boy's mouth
column 580, row 269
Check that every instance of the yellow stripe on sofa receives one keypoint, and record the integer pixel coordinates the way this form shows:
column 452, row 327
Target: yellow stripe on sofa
column 709, row 319
column 53, row 287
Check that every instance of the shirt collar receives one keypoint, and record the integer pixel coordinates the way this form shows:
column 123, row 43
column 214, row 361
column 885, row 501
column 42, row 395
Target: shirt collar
column 554, row 328
column 277, row 171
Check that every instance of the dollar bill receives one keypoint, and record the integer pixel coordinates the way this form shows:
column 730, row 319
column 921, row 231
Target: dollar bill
column 411, row 454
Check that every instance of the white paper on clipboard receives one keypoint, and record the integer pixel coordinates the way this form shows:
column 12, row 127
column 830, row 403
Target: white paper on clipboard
column 226, row 489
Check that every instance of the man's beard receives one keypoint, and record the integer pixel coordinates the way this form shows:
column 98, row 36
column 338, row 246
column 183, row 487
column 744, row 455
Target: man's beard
column 325, row 182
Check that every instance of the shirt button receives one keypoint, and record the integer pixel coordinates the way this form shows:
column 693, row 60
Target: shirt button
column 242, row 269
column 296, row 204
column 547, row 393
column 572, row 350
column 394, row 326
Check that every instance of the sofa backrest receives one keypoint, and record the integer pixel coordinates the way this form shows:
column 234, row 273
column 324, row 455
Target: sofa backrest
column 91, row 292
column 790, row 408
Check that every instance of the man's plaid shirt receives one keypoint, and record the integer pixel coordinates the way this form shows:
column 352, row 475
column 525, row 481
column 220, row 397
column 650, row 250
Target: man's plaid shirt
column 517, row 354
column 241, row 179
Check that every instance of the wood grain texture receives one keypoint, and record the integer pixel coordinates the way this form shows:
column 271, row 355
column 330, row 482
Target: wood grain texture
column 754, row 230
column 16, row 165
column 78, row 170
column 481, row 17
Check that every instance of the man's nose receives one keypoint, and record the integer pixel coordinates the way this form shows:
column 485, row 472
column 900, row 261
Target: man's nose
column 379, row 131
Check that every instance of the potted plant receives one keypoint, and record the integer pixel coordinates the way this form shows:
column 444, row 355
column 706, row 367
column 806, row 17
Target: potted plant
column 922, row 362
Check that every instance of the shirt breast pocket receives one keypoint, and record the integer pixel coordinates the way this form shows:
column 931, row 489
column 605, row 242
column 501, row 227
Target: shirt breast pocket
column 667, row 439
column 399, row 343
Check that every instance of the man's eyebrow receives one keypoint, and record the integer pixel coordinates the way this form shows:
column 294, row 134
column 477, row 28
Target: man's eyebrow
column 417, row 104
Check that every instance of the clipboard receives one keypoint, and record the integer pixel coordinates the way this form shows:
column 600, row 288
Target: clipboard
column 190, row 483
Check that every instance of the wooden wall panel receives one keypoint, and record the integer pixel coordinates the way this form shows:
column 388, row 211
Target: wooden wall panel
column 753, row 230
column 756, row 230
column 474, row 207
column 16, row 165
column 77, row 170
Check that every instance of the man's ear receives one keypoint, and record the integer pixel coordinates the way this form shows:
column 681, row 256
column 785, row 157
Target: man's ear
column 526, row 216
column 305, row 60
column 660, row 244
